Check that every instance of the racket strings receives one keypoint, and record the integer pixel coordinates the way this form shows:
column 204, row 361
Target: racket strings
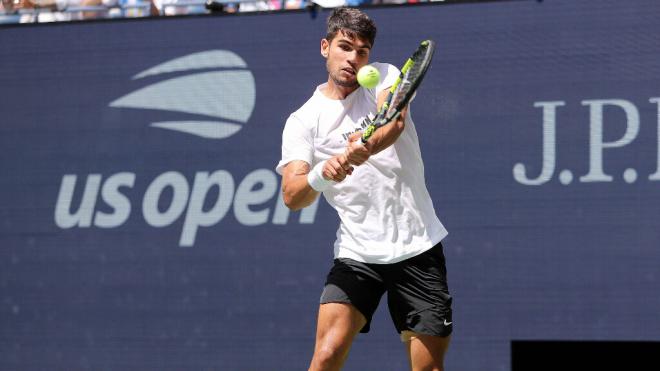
column 421, row 59
column 405, row 85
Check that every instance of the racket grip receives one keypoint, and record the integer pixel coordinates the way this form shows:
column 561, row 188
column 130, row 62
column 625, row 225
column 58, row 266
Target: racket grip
column 368, row 132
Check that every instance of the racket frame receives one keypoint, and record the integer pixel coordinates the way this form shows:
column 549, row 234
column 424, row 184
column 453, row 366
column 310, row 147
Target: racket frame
column 385, row 114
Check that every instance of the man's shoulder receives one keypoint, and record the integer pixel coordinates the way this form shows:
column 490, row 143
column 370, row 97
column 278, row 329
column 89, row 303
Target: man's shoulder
column 385, row 68
column 309, row 110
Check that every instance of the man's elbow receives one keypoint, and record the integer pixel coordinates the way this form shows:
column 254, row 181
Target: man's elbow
column 288, row 201
column 292, row 203
column 400, row 123
column 396, row 129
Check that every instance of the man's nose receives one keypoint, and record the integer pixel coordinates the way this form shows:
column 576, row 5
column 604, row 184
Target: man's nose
column 352, row 56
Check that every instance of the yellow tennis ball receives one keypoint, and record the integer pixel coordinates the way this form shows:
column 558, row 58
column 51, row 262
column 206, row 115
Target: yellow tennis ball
column 368, row 77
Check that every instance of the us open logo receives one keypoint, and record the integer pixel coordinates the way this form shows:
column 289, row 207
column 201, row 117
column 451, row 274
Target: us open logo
column 219, row 87
column 218, row 91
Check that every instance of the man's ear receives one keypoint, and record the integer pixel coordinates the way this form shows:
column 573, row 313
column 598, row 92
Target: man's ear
column 325, row 47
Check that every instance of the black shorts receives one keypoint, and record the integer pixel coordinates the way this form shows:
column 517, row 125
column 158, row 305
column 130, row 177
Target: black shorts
column 417, row 293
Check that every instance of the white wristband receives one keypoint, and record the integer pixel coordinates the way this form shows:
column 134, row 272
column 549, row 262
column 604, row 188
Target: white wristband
column 316, row 180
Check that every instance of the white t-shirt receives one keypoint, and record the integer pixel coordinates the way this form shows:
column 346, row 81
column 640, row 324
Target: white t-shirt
column 386, row 213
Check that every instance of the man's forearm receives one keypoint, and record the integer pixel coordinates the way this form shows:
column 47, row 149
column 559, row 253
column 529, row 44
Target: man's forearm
column 386, row 135
column 297, row 192
column 300, row 187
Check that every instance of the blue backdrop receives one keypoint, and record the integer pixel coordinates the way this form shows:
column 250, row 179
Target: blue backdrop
column 140, row 225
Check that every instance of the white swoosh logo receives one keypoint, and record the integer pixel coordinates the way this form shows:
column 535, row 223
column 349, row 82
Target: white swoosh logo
column 222, row 94
column 446, row 323
column 227, row 95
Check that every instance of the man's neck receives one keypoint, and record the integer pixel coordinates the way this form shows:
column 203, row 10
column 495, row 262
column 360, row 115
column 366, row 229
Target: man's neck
column 334, row 91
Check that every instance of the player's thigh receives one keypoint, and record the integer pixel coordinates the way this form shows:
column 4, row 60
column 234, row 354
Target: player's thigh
column 355, row 284
column 426, row 352
column 338, row 323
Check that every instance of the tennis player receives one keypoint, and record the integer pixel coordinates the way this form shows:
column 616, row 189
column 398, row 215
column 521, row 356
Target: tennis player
column 389, row 235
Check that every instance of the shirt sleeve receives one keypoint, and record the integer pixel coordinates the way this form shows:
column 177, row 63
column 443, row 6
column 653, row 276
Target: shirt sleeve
column 297, row 143
column 388, row 73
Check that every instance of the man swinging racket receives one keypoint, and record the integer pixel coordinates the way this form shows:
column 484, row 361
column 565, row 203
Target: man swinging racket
column 389, row 235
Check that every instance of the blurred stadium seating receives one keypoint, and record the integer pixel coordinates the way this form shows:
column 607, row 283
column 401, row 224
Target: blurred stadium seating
column 42, row 11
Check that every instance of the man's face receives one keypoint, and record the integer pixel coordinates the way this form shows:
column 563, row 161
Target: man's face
column 345, row 56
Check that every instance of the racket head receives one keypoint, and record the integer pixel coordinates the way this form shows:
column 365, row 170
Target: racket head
column 412, row 74
column 412, row 78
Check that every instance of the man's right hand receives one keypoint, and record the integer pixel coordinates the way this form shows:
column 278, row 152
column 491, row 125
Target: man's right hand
column 337, row 168
column 356, row 152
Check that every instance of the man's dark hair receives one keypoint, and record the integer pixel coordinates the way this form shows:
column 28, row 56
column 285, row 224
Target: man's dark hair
column 353, row 23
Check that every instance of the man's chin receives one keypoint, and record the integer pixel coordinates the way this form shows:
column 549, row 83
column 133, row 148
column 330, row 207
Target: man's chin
column 346, row 83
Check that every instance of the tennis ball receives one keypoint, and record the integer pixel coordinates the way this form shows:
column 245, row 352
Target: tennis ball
column 368, row 77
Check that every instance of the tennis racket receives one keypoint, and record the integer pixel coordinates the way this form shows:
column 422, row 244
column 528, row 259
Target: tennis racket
column 403, row 89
